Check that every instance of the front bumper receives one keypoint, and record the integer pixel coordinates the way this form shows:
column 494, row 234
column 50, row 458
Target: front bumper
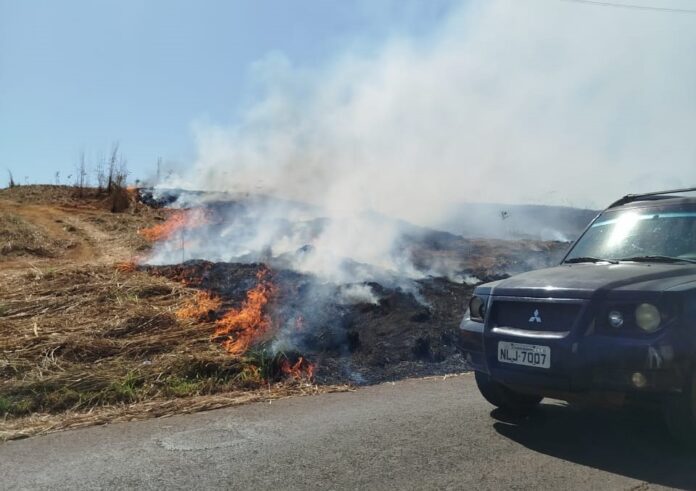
column 583, row 364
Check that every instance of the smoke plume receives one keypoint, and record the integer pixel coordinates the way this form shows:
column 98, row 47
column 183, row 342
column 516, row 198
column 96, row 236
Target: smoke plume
column 542, row 101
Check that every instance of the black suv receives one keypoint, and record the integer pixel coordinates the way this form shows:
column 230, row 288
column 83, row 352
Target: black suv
column 614, row 322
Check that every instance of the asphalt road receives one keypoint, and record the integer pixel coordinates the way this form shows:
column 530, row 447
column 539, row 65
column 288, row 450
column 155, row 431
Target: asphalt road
column 413, row 434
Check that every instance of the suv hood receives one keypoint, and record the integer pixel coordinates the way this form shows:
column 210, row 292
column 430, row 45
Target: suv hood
column 587, row 280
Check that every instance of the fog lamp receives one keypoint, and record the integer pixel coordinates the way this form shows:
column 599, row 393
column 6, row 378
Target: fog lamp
column 648, row 317
column 616, row 319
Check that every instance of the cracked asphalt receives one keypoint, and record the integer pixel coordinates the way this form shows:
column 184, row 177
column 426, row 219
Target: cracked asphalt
column 434, row 433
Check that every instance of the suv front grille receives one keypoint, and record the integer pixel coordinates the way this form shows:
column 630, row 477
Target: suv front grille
column 529, row 315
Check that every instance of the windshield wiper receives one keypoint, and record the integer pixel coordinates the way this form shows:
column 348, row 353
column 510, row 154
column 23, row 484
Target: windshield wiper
column 658, row 259
column 589, row 259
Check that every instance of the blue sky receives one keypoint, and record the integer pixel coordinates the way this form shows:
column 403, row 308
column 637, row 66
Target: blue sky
column 79, row 75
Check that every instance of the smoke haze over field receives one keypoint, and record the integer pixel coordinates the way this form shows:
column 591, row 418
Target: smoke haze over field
column 535, row 102
column 542, row 101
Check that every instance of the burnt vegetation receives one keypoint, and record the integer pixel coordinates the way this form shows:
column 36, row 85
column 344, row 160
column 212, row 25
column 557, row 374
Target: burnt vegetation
column 94, row 337
column 402, row 330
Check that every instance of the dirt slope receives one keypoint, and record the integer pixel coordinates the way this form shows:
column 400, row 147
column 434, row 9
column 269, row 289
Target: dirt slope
column 68, row 231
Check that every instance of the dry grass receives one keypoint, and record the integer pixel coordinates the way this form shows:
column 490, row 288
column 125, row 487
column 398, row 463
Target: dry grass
column 47, row 194
column 82, row 344
column 59, row 195
column 81, row 336
column 19, row 237
column 53, row 222
column 35, row 424
column 123, row 228
column 86, row 339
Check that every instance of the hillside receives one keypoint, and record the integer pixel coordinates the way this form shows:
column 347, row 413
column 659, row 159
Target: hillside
column 505, row 221
column 90, row 335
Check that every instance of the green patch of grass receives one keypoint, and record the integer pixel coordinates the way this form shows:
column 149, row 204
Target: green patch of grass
column 11, row 407
column 182, row 387
column 126, row 389
column 218, row 368
column 49, row 397
column 5, row 406
column 185, row 377
column 23, row 406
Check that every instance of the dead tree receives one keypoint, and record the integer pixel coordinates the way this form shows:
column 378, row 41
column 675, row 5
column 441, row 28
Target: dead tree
column 100, row 175
column 81, row 174
column 119, row 191
column 112, row 168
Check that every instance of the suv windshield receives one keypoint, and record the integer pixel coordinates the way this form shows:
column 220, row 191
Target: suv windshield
column 638, row 234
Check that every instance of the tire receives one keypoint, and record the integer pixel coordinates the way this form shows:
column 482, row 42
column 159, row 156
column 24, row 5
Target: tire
column 504, row 398
column 680, row 414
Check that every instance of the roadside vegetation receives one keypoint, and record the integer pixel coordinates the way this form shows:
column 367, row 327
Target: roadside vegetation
column 85, row 338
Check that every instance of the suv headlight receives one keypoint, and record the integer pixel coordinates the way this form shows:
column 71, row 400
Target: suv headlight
column 638, row 318
column 477, row 308
column 648, row 317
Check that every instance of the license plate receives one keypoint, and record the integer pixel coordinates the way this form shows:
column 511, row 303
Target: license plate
column 530, row 355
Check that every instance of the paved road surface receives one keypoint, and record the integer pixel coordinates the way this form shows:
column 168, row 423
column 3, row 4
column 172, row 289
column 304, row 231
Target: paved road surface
column 413, row 434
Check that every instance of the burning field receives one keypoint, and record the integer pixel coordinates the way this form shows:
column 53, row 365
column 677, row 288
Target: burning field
column 212, row 302
column 276, row 278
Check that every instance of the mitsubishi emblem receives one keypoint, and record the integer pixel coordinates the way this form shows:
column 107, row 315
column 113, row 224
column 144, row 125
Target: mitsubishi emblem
column 535, row 317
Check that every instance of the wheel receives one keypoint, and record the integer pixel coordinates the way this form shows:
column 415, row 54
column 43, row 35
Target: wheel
column 504, row 398
column 680, row 414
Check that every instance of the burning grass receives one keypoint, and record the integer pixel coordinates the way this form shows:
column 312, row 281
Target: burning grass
column 102, row 341
column 90, row 342
column 239, row 328
column 299, row 370
column 201, row 307
column 177, row 223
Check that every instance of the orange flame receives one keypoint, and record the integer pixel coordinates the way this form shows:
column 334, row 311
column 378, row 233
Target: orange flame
column 199, row 307
column 178, row 220
column 244, row 326
column 126, row 266
column 301, row 369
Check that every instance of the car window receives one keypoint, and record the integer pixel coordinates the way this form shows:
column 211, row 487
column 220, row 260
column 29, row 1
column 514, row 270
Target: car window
column 617, row 235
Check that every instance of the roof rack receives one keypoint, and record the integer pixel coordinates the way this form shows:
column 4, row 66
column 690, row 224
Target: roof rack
column 636, row 197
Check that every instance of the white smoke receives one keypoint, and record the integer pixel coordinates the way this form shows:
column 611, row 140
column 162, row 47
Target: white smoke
column 357, row 293
column 542, row 101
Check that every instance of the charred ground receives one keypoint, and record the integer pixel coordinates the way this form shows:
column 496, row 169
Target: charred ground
column 400, row 334
column 364, row 324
